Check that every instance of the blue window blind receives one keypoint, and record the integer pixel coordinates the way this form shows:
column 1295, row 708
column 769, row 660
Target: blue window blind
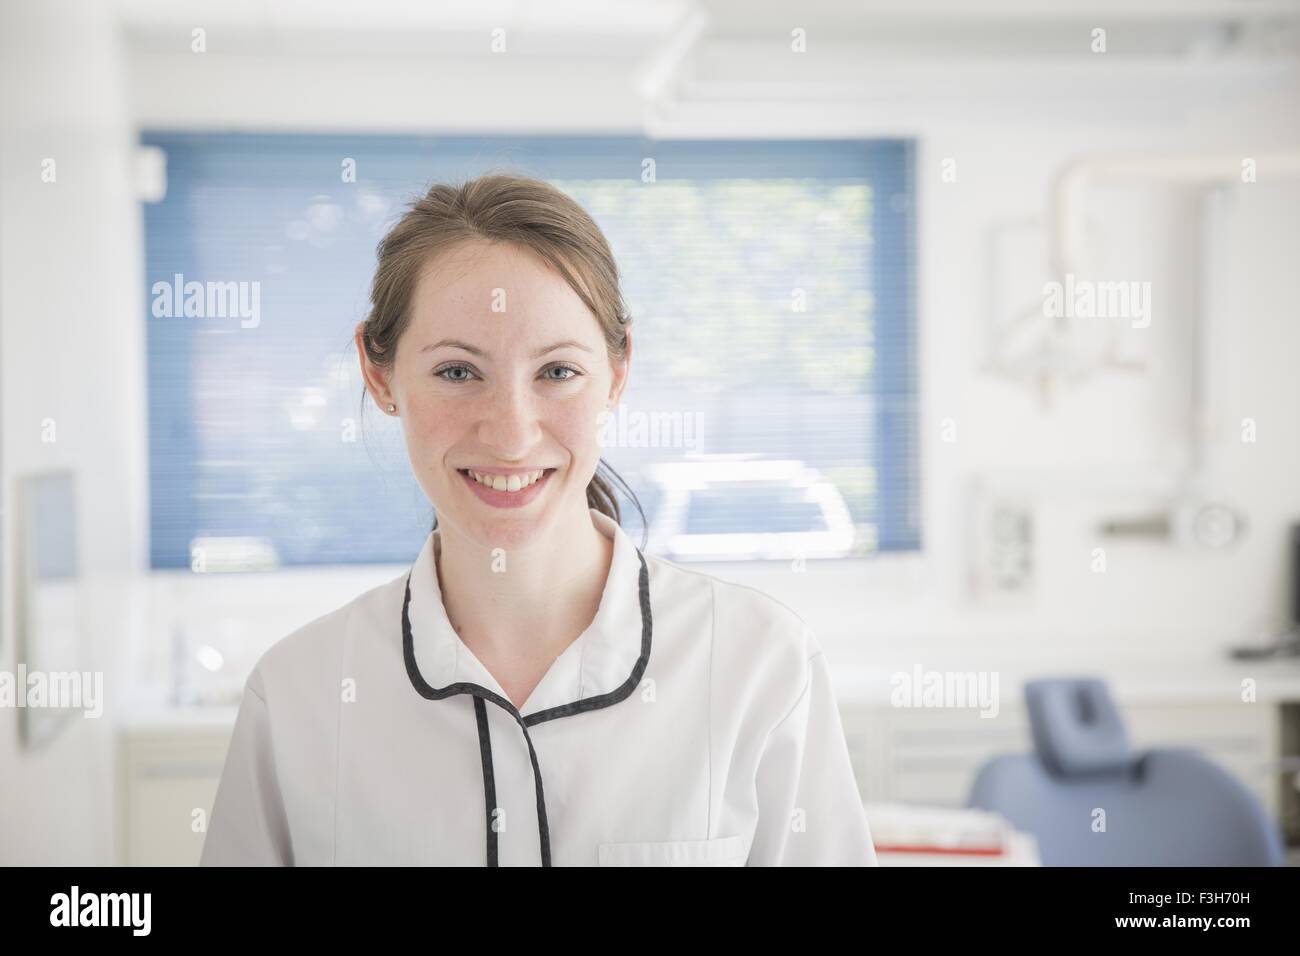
column 771, row 410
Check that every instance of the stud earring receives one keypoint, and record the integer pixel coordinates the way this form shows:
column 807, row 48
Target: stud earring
column 391, row 408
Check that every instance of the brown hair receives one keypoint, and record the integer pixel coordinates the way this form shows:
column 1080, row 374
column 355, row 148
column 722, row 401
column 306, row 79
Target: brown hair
column 501, row 208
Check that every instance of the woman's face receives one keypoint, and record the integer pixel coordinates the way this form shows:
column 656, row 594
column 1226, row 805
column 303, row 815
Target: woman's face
column 502, row 371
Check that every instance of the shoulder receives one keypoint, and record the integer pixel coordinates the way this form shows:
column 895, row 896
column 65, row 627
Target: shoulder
column 760, row 646
column 764, row 621
column 311, row 655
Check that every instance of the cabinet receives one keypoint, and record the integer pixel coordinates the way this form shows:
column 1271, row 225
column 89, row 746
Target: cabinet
column 168, row 778
column 931, row 756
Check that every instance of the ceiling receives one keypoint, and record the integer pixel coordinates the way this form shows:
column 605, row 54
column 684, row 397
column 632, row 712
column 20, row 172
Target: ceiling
column 602, row 29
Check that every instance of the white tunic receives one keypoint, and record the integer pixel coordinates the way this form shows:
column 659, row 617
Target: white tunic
column 692, row 723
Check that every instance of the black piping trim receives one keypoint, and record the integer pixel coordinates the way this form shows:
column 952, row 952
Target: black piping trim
column 481, row 694
column 489, row 778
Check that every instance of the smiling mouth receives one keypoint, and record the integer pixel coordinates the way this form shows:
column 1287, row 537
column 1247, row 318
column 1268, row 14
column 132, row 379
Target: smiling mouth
column 511, row 483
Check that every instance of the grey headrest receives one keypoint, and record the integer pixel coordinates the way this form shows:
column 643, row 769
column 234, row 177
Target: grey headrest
column 1076, row 727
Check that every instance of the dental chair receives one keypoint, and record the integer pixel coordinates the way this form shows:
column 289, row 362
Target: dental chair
column 1161, row 807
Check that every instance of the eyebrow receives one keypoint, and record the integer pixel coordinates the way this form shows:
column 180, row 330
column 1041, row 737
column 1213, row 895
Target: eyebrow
column 456, row 343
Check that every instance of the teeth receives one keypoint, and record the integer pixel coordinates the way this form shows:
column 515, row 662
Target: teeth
column 502, row 483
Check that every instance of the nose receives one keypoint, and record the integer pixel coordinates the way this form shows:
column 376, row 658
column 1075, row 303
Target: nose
column 509, row 426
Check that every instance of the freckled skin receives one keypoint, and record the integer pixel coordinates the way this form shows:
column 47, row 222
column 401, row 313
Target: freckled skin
column 504, row 408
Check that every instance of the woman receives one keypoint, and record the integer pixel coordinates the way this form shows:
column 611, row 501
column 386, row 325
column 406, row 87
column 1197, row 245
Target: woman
column 535, row 690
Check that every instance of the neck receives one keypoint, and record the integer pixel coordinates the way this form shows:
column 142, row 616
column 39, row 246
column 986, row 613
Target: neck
column 535, row 605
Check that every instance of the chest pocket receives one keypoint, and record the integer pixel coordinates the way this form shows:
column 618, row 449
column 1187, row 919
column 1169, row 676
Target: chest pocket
column 724, row 851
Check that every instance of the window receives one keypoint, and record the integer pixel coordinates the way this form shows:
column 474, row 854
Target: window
column 771, row 409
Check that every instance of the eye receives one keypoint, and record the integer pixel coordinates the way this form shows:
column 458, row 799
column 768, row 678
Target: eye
column 442, row 373
column 564, row 368
column 452, row 373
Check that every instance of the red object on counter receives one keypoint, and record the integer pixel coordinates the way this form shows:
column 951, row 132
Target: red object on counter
column 951, row 850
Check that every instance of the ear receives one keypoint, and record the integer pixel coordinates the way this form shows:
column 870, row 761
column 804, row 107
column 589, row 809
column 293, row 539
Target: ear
column 621, row 372
column 376, row 378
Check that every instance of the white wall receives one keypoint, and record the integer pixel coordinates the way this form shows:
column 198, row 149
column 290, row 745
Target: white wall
column 70, row 303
